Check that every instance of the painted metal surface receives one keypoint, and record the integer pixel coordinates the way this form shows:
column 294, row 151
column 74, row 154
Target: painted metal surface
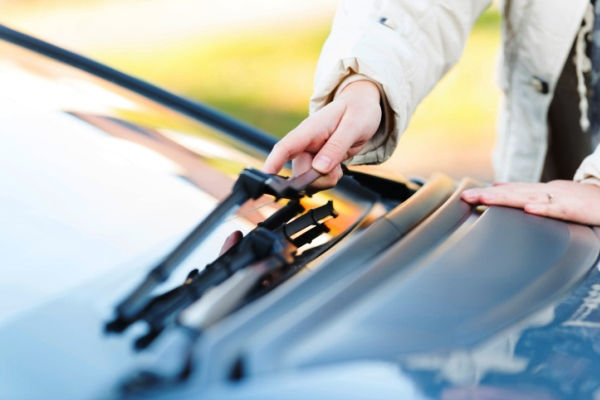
column 98, row 181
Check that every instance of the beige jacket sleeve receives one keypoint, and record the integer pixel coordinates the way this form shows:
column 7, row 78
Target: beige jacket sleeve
column 405, row 46
column 589, row 170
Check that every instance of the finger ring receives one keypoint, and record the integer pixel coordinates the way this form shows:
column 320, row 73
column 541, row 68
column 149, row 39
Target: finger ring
column 550, row 197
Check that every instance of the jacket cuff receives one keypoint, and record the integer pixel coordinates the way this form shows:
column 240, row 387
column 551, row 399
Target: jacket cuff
column 366, row 55
column 589, row 170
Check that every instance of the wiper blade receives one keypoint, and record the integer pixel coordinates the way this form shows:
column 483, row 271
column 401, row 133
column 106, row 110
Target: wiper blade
column 261, row 244
column 204, row 313
column 191, row 313
column 251, row 184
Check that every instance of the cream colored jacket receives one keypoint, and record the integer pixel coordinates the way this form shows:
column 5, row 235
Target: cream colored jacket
column 406, row 46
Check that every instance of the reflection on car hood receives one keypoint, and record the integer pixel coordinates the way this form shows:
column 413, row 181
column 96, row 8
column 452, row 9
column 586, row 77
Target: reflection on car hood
column 80, row 202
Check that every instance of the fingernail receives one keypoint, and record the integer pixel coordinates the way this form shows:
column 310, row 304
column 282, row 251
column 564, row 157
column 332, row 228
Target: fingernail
column 322, row 163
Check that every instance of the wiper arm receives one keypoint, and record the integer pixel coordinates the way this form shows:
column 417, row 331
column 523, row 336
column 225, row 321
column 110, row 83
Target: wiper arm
column 251, row 184
column 231, row 294
column 191, row 315
column 261, row 244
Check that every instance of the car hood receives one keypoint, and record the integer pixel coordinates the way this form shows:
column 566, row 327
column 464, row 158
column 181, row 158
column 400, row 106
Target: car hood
column 426, row 297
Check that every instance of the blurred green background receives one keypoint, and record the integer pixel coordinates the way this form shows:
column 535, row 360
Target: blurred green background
column 256, row 60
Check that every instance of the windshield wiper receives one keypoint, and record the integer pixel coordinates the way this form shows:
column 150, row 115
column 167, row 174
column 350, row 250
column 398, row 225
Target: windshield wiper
column 238, row 272
column 251, row 184
column 275, row 249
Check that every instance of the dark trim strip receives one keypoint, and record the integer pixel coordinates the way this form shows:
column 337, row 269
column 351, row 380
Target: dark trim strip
column 242, row 131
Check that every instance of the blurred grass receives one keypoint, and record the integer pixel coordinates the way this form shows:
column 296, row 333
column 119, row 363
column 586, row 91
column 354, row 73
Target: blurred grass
column 265, row 77
column 259, row 76
column 465, row 101
column 261, row 71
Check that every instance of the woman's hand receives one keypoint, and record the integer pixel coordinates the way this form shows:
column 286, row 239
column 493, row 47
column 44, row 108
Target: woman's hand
column 333, row 134
column 566, row 200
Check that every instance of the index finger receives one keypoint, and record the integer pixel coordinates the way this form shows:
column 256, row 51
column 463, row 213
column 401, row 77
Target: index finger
column 283, row 151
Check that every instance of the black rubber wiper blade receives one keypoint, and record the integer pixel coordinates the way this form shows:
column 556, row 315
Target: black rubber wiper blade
column 193, row 313
column 137, row 299
column 260, row 244
column 251, row 184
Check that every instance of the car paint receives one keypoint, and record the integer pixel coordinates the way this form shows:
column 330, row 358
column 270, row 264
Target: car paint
column 102, row 174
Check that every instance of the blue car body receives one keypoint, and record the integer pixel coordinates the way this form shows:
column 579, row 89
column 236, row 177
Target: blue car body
column 420, row 295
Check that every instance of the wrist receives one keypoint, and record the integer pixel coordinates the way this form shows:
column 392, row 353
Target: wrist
column 363, row 89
